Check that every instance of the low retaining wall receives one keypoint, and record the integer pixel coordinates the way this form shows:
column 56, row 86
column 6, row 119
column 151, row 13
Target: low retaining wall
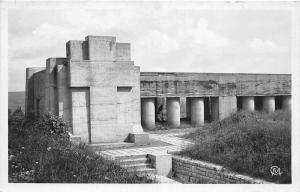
column 195, row 171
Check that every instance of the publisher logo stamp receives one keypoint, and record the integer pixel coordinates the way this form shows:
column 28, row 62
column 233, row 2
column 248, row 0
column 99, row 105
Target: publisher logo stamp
column 275, row 170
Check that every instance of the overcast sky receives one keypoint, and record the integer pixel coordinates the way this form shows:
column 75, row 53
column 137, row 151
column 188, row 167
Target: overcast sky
column 162, row 38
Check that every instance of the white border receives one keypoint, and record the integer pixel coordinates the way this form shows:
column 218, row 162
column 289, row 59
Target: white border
column 292, row 6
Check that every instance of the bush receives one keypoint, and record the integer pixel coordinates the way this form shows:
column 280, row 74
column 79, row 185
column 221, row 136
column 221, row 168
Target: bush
column 15, row 128
column 248, row 143
column 40, row 151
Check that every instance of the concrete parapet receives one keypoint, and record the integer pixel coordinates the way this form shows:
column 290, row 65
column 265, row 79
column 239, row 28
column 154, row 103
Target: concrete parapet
column 77, row 50
column 123, row 52
column 173, row 111
column 101, row 48
column 162, row 162
column 161, row 84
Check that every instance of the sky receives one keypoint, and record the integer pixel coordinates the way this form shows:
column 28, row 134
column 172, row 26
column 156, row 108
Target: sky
column 164, row 38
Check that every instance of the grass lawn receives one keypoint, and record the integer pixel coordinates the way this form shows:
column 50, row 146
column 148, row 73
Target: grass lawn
column 248, row 143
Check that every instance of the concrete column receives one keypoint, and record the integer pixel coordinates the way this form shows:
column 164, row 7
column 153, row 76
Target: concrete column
column 173, row 112
column 269, row 104
column 50, row 86
column 287, row 103
column 197, row 111
column 248, row 103
column 60, row 89
column 188, row 108
column 63, row 93
column 148, row 113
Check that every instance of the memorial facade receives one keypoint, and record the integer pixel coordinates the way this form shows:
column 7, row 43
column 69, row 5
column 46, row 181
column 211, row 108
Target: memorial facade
column 99, row 90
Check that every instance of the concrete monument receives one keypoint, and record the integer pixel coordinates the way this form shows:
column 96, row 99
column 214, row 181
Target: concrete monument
column 102, row 94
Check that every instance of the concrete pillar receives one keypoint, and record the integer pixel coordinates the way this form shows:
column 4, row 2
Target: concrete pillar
column 148, row 113
column 173, row 111
column 182, row 107
column 269, row 104
column 50, row 86
column 63, row 93
column 214, row 108
column 248, row 103
column 188, row 108
column 287, row 103
column 197, row 111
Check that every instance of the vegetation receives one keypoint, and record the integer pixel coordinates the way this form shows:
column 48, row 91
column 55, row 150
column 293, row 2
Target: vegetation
column 248, row 143
column 40, row 151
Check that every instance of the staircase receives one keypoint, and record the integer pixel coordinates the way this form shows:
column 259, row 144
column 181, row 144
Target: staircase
column 139, row 164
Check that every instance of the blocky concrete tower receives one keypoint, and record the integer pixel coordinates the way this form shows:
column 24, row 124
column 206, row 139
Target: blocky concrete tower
column 96, row 88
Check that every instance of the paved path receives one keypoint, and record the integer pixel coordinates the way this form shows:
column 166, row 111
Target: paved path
column 177, row 144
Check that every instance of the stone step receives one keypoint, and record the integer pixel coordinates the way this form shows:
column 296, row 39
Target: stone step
column 130, row 157
column 137, row 166
column 144, row 171
column 106, row 146
column 134, row 161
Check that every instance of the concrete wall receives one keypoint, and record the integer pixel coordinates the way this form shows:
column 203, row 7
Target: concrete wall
column 263, row 84
column 96, row 89
column 81, row 113
column 39, row 92
column 213, row 84
column 77, row 50
column 227, row 106
column 101, row 48
column 30, row 99
column 64, row 99
column 104, row 78
column 114, row 88
column 224, row 86
column 195, row 171
column 123, row 52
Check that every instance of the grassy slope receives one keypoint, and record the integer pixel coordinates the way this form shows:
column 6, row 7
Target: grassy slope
column 249, row 143
column 41, row 152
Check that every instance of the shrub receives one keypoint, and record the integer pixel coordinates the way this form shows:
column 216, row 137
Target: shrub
column 41, row 152
column 248, row 143
column 15, row 128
